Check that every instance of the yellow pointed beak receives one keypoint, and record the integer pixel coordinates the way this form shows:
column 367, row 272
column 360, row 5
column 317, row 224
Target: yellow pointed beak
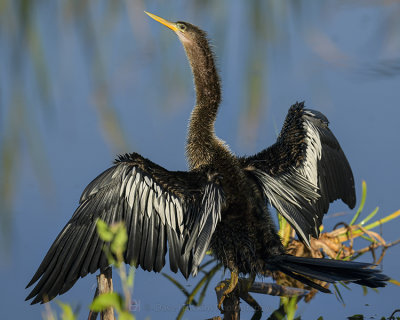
column 166, row 23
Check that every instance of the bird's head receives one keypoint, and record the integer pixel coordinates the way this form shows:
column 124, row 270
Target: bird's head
column 201, row 59
column 187, row 33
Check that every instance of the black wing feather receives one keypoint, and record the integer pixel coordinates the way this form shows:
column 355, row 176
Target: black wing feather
column 303, row 171
column 153, row 204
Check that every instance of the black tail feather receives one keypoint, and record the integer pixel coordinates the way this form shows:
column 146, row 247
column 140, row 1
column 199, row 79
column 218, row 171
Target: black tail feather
column 304, row 280
column 329, row 270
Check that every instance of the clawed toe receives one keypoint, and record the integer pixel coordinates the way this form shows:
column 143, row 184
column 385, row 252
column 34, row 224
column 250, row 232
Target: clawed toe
column 224, row 288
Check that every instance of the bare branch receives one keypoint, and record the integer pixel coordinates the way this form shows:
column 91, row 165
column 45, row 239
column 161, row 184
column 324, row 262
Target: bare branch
column 275, row 289
column 104, row 285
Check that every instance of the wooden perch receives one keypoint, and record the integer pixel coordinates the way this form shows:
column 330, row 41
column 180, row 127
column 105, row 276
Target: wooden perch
column 275, row 289
column 231, row 304
column 104, row 285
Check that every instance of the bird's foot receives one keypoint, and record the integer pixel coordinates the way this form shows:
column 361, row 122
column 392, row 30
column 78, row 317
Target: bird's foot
column 226, row 287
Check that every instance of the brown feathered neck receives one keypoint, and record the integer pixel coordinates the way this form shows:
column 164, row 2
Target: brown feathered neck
column 202, row 144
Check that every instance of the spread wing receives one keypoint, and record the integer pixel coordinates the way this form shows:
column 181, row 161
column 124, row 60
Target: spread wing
column 157, row 206
column 303, row 171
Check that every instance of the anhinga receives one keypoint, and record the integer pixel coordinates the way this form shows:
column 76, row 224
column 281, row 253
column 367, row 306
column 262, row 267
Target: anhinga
column 221, row 203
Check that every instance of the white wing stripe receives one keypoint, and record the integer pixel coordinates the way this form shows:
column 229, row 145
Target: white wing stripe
column 313, row 153
column 129, row 189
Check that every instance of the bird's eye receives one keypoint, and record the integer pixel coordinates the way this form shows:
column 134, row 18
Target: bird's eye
column 181, row 26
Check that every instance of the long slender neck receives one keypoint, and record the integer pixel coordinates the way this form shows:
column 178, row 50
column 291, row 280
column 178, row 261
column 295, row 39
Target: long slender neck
column 202, row 144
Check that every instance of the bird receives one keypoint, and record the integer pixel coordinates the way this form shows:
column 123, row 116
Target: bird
column 221, row 203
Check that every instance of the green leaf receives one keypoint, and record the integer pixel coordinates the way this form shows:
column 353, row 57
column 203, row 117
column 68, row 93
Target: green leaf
column 118, row 245
column 131, row 277
column 125, row 315
column 344, row 285
column 177, row 283
column 338, row 294
column 205, row 264
column 362, row 203
column 383, row 220
column 375, row 224
column 368, row 238
column 291, row 307
column 397, row 283
column 109, row 255
column 67, row 313
column 369, row 217
column 356, row 317
column 204, row 290
column 365, row 290
column 279, row 314
column 190, row 298
column 104, row 231
column 106, row 300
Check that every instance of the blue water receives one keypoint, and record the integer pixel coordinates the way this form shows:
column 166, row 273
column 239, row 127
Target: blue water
column 118, row 82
